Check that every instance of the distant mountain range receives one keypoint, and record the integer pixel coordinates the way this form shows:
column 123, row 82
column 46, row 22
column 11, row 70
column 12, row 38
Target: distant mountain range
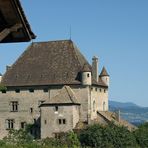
column 130, row 111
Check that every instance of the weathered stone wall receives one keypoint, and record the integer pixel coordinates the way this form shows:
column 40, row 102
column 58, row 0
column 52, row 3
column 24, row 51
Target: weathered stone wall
column 83, row 96
column 98, row 97
column 50, row 119
column 103, row 99
column 26, row 100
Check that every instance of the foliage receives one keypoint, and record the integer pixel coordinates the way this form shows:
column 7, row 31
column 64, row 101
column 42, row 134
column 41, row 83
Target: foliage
column 98, row 136
column 18, row 137
column 3, row 88
column 142, row 135
column 107, row 136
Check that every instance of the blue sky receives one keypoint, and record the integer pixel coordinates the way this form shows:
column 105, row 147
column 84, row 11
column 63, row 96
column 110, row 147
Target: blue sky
column 114, row 30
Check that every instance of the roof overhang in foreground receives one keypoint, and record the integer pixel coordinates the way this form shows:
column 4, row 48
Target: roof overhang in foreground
column 14, row 26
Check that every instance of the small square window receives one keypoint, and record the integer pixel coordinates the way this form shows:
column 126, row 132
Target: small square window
column 56, row 108
column 23, row 125
column 64, row 121
column 31, row 90
column 17, row 90
column 45, row 90
column 31, row 110
column 60, row 121
column 88, row 75
column 45, row 122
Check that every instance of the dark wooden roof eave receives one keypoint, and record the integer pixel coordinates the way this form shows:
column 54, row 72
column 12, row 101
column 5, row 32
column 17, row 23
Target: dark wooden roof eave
column 19, row 18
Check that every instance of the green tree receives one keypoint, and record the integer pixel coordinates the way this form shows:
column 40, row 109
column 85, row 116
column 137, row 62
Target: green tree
column 107, row 136
column 141, row 135
column 72, row 140
column 18, row 137
column 2, row 88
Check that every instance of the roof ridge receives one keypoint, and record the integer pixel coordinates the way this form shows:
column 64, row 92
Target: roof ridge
column 76, row 48
column 38, row 42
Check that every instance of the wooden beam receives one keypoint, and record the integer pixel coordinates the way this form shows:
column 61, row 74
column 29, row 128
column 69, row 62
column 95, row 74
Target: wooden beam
column 7, row 31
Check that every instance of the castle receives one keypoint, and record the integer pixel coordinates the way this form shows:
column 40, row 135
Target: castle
column 52, row 86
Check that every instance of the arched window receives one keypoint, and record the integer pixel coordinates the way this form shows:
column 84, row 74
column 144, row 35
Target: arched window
column 94, row 106
column 104, row 106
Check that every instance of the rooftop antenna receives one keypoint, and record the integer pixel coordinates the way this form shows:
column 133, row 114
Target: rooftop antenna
column 70, row 33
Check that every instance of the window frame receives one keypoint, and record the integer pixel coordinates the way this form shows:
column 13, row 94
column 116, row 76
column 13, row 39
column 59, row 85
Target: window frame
column 14, row 106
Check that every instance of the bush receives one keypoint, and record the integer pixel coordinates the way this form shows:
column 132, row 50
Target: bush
column 18, row 137
column 107, row 136
column 141, row 135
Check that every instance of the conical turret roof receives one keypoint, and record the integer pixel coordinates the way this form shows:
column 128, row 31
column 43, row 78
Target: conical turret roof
column 86, row 68
column 103, row 72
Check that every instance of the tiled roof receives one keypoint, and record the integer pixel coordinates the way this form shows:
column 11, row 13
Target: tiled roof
column 111, row 117
column 48, row 63
column 65, row 96
column 104, row 72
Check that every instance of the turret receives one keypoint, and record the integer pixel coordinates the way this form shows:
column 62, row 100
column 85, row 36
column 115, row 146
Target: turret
column 86, row 75
column 0, row 77
column 95, row 68
column 104, row 76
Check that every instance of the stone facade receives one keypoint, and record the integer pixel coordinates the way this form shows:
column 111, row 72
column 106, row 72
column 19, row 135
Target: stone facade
column 32, row 90
column 55, row 121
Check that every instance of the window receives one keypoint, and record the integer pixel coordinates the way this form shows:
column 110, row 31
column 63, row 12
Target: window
column 35, row 121
column 31, row 90
column 62, row 121
column 56, row 108
column 45, row 121
column 100, row 89
column 23, row 125
column 17, row 90
column 104, row 91
column 45, row 90
column 9, row 123
column 96, row 89
column 31, row 110
column 88, row 75
column 14, row 106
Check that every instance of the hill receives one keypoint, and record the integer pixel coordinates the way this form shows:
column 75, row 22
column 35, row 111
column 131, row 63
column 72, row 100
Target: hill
column 130, row 111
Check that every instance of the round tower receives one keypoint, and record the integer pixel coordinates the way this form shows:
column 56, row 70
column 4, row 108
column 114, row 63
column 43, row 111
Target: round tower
column 86, row 75
column 0, row 77
column 104, row 76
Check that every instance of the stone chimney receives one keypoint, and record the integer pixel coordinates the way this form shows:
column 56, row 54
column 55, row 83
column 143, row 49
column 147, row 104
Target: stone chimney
column 8, row 67
column 95, row 68
column 118, row 115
